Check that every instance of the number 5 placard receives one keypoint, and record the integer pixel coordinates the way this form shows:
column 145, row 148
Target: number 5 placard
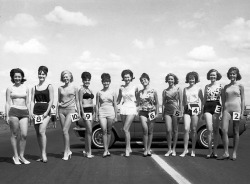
column 74, row 117
column 88, row 116
column 236, row 116
column 38, row 119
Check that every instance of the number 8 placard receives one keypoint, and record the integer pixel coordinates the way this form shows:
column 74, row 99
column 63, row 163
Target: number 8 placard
column 38, row 119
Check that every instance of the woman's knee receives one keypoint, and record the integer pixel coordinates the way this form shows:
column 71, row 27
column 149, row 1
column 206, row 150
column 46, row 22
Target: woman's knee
column 23, row 136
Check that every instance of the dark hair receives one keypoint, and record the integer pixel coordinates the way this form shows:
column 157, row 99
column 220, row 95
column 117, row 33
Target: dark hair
column 105, row 77
column 43, row 69
column 17, row 70
column 217, row 74
column 66, row 72
column 144, row 75
column 176, row 80
column 125, row 72
column 195, row 74
column 86, row 75
column 237, row 72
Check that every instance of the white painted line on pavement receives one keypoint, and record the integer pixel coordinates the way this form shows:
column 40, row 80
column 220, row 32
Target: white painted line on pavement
column 173, row 173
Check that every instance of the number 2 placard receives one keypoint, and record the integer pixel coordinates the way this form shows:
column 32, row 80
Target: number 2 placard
column 74, row 117
column 236, row 116
column 88, row 116
column 38, row 119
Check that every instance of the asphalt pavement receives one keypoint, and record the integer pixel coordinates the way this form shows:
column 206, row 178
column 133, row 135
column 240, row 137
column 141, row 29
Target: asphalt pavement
column 118, row 169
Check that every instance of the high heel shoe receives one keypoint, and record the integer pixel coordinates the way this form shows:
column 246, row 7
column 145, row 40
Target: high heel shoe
column 108, row 154
column 192, row 154
column 168, row 153
column 16, row 162
column 104, row 155
column 68, row 156
column 223, row 157
column 184, row 153
column 24, row 161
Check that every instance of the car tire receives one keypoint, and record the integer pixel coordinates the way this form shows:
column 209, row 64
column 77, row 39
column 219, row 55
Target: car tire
column 202, row 138
column 97, row 140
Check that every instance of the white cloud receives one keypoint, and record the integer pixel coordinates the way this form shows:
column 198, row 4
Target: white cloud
column 187, row 24
column 148, row 44
column 202, row 53
column 23, row 20
column 237, row 34
column 115, row 57
column 33, row 46
column 63, row 16
column 170, row 42
column 199, row 15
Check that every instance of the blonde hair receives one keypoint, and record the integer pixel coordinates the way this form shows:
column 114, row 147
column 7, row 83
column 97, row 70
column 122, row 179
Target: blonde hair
column 66, row 72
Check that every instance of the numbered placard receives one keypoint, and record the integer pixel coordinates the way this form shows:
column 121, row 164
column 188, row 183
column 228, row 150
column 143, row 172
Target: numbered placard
column 236, row 116
column 38, row 119
column 74, row 117
column 195, row 111
column 177, row 113
column 88, row 116
column 217, row 109
column 151, row 115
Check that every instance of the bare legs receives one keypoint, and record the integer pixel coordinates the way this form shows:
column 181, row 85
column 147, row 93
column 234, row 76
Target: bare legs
column 187, row 121
column 212, row 122
column 147, row 134
column 65, row 123
column 15, row 125
column 127, row 120
column 106, row 125
column 172, row 131
column 88, row 136
column 41, row 137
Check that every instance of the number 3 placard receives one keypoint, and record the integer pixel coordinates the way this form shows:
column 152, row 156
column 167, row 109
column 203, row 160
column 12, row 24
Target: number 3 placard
column 88, row 116
column 38, row 119
column 236, row 116
column 151, row 115
column 74, row 117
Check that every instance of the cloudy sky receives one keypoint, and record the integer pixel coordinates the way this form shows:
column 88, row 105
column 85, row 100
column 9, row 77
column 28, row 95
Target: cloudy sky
column 152, row 36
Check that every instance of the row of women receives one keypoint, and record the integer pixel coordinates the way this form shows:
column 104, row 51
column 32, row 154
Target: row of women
column 218, row 101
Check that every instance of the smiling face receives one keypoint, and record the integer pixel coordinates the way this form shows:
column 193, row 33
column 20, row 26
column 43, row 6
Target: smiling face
column 18, row 78
column 233, row 75
column 86, row 82
column 213, row 76
column 191, row 80
column 66, row 78
column 144, row 81
column 41, row 76
column 170, row 80
column 106, row 83
column 127, row 78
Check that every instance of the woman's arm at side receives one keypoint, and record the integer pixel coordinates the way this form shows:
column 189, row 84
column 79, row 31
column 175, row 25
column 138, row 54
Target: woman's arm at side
column 97, row 105
column 7, row 105
column 51, row 100
column 119, row 98
column 77, row 102
column 32, row 102
column 115, row 105
column 242, row 95
column 156, row 103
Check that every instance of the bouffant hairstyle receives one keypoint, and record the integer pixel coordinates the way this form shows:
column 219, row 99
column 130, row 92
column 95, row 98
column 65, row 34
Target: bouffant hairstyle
column 17, row 70
column 86, row 75
column 237, row 73
column 176, row 80
column 144, row 75
column 125, row 72
column 196, row 76
column 105, row 77
column 217, row 74
column 66, row 72
column 43, row 69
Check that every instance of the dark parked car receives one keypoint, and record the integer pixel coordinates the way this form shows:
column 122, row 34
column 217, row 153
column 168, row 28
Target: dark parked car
column 159, row 131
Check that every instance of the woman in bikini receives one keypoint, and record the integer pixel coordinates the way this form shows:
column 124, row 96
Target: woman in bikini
column 212, row 110
column 67, row 105
column 233, row 102
column 193, row 103
column 172, row 109
column 106, row 111
column 128, row 110
column 17, row 114
column 42, row 97
column 86, row 104
column 149, row 111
